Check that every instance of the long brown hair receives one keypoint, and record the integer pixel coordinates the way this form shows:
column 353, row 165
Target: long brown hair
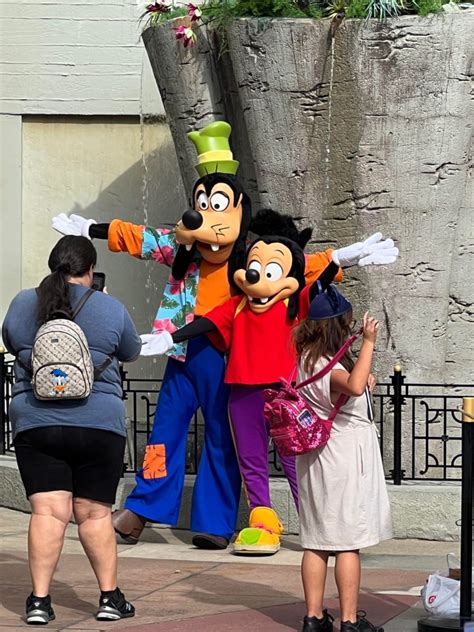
column 315, row 339
column 71, row 256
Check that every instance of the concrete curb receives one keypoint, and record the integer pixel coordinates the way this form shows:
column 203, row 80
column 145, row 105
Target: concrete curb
column 427, row 511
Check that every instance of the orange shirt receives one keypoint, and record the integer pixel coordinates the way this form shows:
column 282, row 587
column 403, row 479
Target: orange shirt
column 213, row 287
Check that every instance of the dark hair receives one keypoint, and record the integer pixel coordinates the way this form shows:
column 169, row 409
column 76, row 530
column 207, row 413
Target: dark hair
column 237, row 257
column 71, row 257
column 315, row 339
column 270, row 222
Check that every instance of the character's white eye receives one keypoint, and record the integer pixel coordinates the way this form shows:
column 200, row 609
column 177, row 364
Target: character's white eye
column 202, row 201
column 273, row 272
column 255, row 265
column 219, row 202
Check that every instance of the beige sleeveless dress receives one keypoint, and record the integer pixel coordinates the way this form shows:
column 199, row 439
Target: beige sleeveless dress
column 343, row 500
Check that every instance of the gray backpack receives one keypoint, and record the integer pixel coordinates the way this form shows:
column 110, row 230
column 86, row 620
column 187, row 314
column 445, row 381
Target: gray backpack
column 61, row 361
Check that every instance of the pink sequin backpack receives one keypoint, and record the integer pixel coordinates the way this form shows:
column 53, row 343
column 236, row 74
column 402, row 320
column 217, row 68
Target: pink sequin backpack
column 293, row 425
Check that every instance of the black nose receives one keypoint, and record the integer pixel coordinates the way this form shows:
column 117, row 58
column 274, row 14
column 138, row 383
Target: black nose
column 252, row 276
column 192, row 219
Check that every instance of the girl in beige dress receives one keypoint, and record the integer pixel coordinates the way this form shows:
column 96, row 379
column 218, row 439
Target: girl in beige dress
column 343, row 498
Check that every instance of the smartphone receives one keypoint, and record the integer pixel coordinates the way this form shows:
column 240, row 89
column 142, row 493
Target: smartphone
column 98, row 281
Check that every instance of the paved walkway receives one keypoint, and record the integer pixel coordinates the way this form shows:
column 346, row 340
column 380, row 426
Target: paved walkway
column 176, row 587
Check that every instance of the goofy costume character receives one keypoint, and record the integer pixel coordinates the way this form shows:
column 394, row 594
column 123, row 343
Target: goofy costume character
column 203, row 252
column 255, row 328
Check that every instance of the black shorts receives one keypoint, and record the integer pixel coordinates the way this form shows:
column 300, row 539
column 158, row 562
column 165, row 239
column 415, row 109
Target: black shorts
column 84, row 461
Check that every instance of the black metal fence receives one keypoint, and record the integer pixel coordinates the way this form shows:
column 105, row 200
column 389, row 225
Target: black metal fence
column 419, row 426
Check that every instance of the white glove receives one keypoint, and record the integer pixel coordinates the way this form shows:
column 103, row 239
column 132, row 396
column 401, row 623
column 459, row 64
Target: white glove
column 72, row 225
column 363, row 253
column 156, row 344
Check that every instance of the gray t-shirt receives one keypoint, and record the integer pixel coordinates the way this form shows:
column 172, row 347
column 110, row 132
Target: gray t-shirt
column 109, row 331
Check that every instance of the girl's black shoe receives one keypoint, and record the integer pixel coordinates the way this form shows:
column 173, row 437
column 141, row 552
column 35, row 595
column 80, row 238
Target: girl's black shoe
column 39, row 610
column 114, row 606
column 313, row 624
column 361, row 625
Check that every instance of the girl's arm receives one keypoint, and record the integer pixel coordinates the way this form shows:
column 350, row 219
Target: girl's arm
column 355, row 382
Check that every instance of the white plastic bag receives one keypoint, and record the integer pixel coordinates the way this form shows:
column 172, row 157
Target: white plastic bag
column 441, row 595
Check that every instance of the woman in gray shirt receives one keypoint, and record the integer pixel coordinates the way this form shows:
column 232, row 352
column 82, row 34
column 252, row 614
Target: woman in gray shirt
column 70, row 453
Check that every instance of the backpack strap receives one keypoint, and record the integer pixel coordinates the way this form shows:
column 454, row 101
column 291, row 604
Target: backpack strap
column 332, row 363
column 98, row 370
column 83, row 300
column 341, row 400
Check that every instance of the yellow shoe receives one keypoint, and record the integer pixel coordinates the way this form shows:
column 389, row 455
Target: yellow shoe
column 252, row 541
column 265, row 518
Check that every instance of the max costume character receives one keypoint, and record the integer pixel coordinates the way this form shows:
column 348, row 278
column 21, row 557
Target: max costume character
column 203, row 251
column 255, row 328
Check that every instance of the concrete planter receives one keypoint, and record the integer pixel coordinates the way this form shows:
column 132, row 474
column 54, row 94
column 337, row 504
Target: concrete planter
column 364, row 131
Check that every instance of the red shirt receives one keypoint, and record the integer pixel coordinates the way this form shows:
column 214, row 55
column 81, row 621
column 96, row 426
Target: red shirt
column 260, row 345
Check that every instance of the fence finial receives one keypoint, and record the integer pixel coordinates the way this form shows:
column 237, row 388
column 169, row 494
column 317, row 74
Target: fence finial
column 468, row 409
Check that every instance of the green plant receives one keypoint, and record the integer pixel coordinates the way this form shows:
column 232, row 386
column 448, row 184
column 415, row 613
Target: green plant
column 383, row 9
column 425, row 7
column 334, row 8
column 357, row 9
column 220, row 13
column 261, row 8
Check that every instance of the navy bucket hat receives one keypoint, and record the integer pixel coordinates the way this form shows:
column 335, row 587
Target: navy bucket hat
column 329, row 304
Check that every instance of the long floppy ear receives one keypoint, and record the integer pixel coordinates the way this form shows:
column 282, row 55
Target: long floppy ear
column 304, row 236
column 293, row 305
column 238, row 256
column 182, row 262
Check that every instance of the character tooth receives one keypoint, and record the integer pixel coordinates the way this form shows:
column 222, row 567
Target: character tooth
column 264, row 300
column 214, row 247
column 188, row 246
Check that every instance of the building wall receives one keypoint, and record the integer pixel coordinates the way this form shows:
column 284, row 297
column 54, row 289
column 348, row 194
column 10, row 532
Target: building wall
column 75, row 88
column 96, row 168
column 81, row 57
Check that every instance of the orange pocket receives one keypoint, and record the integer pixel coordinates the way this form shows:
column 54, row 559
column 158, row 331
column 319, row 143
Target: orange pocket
column 154, row 463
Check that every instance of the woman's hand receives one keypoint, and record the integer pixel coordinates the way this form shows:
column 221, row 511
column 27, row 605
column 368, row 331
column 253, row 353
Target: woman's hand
column 370, row 327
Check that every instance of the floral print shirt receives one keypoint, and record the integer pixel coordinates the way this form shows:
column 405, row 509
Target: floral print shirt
column 179, row 297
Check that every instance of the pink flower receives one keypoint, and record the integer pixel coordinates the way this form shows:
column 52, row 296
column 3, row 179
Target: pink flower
column 181, row 357
column 163, row 255
column 176, row 287
column 194, row 12
column 192, row 268
column 158, row 7
column 189, row 318
column 163, row 325
column 186, row 34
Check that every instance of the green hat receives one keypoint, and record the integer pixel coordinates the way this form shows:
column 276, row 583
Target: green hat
column 212, row 146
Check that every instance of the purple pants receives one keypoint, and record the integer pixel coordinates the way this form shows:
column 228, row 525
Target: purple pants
column 251, row 442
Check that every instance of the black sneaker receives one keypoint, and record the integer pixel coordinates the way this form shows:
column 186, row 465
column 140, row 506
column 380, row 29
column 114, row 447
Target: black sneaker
column 361, row 625
column 313, row 624
column 114, row 606
column 38, row 610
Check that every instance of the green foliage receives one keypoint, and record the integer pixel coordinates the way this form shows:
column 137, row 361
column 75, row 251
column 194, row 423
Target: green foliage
column 220, row 13
column 383, row 9
column 356, row 9
column 425, row 7
column 213, row 9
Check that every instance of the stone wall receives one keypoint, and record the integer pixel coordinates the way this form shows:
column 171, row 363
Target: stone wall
column 361, row 128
